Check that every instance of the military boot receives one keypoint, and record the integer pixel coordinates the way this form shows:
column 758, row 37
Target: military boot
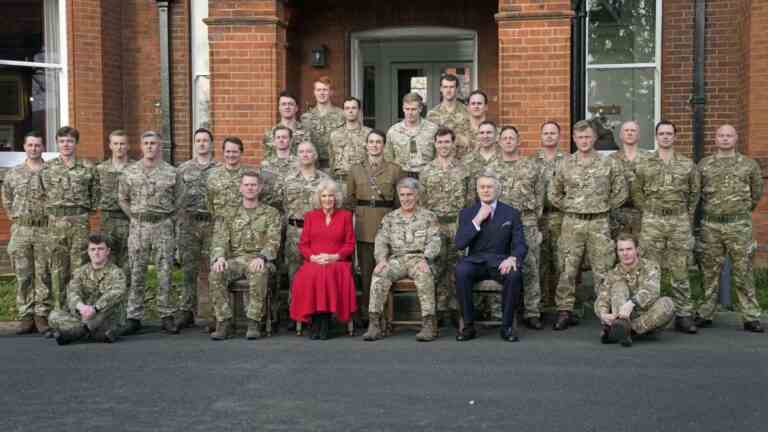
column 621, row 332
column 222, row 331
column 427, row 333
column 26, row 326
column 64, row 337
column 169, row 325
column 185, row 319
column 374, row 327
column 685, row 324
column 132, row 326
column 254, row 330
column 43, row 328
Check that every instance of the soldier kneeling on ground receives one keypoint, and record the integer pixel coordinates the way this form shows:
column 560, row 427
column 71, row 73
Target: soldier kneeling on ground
column 95, row 299
column 630, row 303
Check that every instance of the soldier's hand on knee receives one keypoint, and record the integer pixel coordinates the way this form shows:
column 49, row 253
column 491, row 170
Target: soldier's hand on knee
column 423, row 266
column 380, row 267
column 626, row 310
column 86, row 311
column 607, row 319
column 256, row 264
column 509, row 264
column 219, row 265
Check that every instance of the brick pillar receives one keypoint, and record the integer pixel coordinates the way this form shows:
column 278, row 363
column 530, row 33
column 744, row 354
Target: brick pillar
column 247, row 43
column 535, row 67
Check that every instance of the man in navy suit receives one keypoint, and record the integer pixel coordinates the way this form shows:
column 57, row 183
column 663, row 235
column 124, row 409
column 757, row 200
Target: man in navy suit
column 493, row 232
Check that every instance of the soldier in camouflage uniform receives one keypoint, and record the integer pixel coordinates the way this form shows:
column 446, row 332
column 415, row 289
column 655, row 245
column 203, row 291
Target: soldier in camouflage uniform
column 627, row 218
column 69, row 190
column 148, row 193
column 522, row 187
column 95, row 299
column 550, row 159
column 279, row 166
column 23, row 201
column 223, row 193
column 410, row 143
column 321, row 120
column 666, row 189
column 114, row 223
column 288, row 110
column 629, row 302
column 486, row 153
column 731, row 187
column 586, row 188
column 407, row 243
column 245, row 244
column 347, row 145
column 194, row 225
column 452, row 114
column 445, row 183
column 478, row 108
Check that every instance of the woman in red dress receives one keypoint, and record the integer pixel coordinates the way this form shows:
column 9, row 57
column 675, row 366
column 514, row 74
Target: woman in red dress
column 323, row 285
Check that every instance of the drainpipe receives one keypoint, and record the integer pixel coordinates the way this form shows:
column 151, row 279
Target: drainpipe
column 165, row 80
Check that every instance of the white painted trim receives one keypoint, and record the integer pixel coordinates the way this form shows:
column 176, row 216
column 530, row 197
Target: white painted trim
column 31, row 64
column 622, row 66
column 64, row 74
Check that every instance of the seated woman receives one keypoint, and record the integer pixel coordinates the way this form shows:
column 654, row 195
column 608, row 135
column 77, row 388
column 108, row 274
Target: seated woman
column 323, row 285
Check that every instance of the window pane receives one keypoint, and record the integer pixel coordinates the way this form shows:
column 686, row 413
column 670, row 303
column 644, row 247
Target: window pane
column 29, row 99
column 413, row 80
column 622, row 31
column 202, row 113
column 29, row 30
column 617, row 95
column 369, row 96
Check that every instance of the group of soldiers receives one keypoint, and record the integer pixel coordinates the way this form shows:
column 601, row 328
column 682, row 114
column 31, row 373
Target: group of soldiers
column 406, row 187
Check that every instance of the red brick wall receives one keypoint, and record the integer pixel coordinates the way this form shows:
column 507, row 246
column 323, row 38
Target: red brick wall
column 181, row 80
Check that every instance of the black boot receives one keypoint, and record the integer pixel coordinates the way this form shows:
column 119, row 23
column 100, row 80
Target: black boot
column 325, row 323
column 314, row 329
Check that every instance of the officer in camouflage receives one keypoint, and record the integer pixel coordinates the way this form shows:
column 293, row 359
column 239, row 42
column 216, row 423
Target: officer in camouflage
column 731, row 187
column 323, row 119
column 666, row 189
column 486, row 153
column 627, row 218
column 347, row 144
column 407, row 243
column 629, row 302
column 223, row 195
column 95, row 299
column 245, row 244
column 410, row 143
column 586, row 188
column 23, row 200
column 478, row 110
column 452, row 114
column 288, row 111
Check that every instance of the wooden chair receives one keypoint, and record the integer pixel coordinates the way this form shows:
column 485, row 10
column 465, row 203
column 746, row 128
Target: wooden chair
column 238, row 296
column 485, row 287
column 406, row 285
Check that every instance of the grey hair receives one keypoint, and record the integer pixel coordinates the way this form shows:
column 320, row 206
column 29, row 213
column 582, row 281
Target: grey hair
column 151, row 134
column 328, row 185
column 491, row 174
column 314, row 149
column 408, row 183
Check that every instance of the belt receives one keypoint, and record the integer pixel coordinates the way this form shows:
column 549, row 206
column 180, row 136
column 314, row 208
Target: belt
column 551, row 210
column 588, row 216
column 376, row 203
column 151, row 217
column 200, row 217
column 666, row 212
column 67, row 211
column 115, row 214
column 446, row 219
column 298, row 223
column 411, row 252
column 726, row 218
column 413, row 174
column 30, row 221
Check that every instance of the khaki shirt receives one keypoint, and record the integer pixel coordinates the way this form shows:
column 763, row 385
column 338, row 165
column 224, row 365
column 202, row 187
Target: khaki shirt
column 548, row 170
column 591, row 186
column 412, row 149
column 456, row 120
column 223, row 192
column 522, row 187
column 299, row 192
column 401, row 236
column 667, row 186
column 107, row 183
column 629, row 168
column 445, row 191
column 369, row 184
column 69, row 186
column 347, row 148
column 248, row 232
column 644, row 283
column 320, row 126
column 23, row 193
column 300, row 134
column 103, row 288
column 193, row 194
column 279, row 169
column 154, row 190
column 730, row 185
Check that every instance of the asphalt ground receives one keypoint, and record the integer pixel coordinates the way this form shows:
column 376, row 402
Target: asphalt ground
column 549, row 381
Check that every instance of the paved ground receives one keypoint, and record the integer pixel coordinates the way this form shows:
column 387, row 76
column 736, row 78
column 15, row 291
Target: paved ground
column 714, row 381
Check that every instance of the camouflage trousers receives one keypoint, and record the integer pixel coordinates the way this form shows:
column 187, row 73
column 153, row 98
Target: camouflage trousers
column 550, row 225
column 734, row 240
column 293, row 258
column 111, row 319
column 29, row 260
column 116, row 229
column 367, row 263
column 445, row 286
column 193, row 240
column 627, row 219
column 582, row 237
column 258, row 283
column 67, row 248
column 155, row 242
column 651, row 318
column 398, row 268
column 668, row 240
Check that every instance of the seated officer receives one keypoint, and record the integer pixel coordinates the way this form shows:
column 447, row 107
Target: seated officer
column 629, row 302
column 95, row 299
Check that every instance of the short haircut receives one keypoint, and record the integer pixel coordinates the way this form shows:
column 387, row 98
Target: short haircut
column 117, row 133
column 252, row 173
column 286, row 94
column 413, row 97
column 408, row 183
column 487, row 122
column 583, row 125
column 506, row 128
column 68, row 131
column 443, row 131
column 329, row 185
column 353, row 99
column 34, row 133
column 326, row 80
column 625, row 236
column 551, row 122
column 233, row 140
column 481, row 93
column 281, row 127
column 97, row 239
column 378, row 132
column 205, row 131
column 450, row 78
column 151, row 134
column 489, row 173
column 311, row 145
column 668, row 123
column 635, row 122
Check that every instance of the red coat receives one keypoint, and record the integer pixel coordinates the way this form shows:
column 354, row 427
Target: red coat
column 325, row 288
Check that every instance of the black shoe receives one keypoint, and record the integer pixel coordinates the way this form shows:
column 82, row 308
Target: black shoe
column 132, row 326
column 169, row 325
column 621, row 332
column 314, row 328
column 702, row 322
column 685, row 324
column 509, row 334
column 325, row 323
column 533, row 323
column 563, row 320
column 291, row 325
column 468, row 333
column 185, row 319
column 605, row 335
column 754, row 326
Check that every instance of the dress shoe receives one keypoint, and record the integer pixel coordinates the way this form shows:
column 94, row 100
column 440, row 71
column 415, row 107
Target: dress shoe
column 132, row 326
column 169, row 326
column 684, row 324
column 753, row 326
column 605, row 335
column 325, row 327
column 702, row 322
column 468, row 333
column 563, row 320
column 621, row 332
column 26, row 326
column 533, row 323
column 509, row 334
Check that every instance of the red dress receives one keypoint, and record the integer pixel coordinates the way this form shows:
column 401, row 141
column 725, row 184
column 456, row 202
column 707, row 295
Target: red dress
column 320, row 288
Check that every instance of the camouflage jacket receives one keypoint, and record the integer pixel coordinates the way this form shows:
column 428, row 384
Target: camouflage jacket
column 102, row 288
column 107, row 183
column 522, row 187
column 667, row 186
column 300, row 134
column 193, row 182
column 548, row 170
column 224, row 190
column 730, row 185
column 399, row 236
column 411, row 149
column 248, row 232
column 320, row 127
column 596, row 185
column 643, row 281
column 476, row 164
column 629, row 167
column 148, row 191
column 456, row 120
column 278, row 169
column 298, row 192
column 445, row 191
column 69, row 186
column 23, row 193
column 347, row 148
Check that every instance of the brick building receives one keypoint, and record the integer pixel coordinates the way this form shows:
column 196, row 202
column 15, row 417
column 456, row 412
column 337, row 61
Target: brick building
column 175, row 65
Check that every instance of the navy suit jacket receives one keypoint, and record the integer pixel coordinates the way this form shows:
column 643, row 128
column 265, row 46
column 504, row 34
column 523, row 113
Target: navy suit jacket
column 497, row 239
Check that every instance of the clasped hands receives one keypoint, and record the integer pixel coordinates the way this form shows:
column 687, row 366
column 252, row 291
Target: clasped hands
column 86, row 311
column 624, row 313
column 324, row 258
column 255, row 265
